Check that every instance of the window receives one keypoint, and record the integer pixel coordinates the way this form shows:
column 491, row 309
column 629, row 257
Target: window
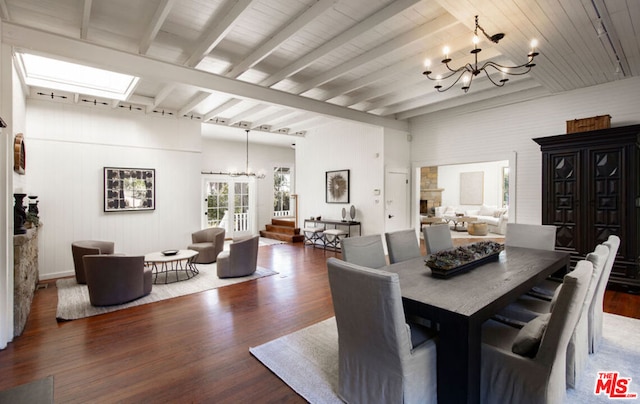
column 505, row 187
column 282, row 191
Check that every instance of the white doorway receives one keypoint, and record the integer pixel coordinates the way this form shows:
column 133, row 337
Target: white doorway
column 230, row 203
column 396, row 205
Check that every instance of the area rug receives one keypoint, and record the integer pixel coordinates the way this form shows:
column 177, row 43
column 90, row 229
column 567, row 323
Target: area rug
column 307, row 360
column 73, row 298
column 36, row 392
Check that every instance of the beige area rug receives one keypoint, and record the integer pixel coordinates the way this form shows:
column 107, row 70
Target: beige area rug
column 307, row 360
column 73, row 298
column 36, row 392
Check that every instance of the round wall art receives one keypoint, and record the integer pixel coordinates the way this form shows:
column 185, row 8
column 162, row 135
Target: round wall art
column 337, row 186
column 19, row 154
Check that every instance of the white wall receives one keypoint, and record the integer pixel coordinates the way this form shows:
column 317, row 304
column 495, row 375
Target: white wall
column 471, row 134
column 449, row 179
column 225, row 156
column 68, row 147
column 341, row 146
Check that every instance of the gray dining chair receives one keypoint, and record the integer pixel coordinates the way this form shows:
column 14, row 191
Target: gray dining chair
column 528, row 365
column 595, row 311
column 402, row 245
column 437, row 238
column 366, row 251
column 528, row 307
column 539, row 237
column 382, row 357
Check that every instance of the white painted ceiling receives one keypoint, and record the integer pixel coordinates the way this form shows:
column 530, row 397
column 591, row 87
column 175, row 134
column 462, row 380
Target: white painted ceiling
column 287, row 66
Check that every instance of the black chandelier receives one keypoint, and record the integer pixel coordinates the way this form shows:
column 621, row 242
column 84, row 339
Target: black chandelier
column 467, row 72
column 245, row 173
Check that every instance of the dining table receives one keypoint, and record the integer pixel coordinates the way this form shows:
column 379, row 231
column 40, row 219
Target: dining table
column 458, row 305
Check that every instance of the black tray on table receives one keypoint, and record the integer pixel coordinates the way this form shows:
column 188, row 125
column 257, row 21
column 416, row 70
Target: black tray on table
column 443, row 263
column 447, row 273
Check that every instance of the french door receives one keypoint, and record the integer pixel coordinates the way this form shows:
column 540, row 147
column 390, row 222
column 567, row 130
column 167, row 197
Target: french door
column 230, row 203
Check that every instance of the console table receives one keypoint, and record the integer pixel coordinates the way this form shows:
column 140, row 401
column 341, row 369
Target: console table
column 336, row 224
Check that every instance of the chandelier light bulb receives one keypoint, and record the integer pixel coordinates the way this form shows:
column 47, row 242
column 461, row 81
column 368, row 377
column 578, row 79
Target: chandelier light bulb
column 475, row 40
column 534, row 44
column 446, row 50
column 427, row 63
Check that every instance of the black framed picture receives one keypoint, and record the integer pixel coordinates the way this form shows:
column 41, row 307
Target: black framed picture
column 129, row 189
column 337, row 186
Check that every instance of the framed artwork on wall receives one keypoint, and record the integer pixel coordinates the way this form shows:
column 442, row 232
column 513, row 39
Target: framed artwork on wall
column 129, row 189
column 337, row 186
column 472, row 188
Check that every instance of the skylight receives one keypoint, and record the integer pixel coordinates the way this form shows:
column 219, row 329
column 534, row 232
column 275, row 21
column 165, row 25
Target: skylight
column 55, row 74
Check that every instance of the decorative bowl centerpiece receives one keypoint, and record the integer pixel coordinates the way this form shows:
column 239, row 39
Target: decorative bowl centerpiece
column 169, row 252
column 446, row 263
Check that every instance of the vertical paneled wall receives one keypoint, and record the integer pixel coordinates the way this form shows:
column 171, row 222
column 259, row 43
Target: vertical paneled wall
column 340, row 146
column 68, row 147
column 473, row 134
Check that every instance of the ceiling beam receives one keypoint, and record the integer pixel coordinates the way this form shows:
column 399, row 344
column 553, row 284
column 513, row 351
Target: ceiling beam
column 369, row 23
column 288, row 29
column 218, row 29
column 243, row 116
column 221, row 108
column 159, row 16
column 382, row 50
column 194, row 102
column 141, row 66
column 86, row 17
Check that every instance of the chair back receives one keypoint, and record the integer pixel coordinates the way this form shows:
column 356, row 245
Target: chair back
column 366, row 251
column 539, row 237
column 437, row 238
column 86, row 247
column 116, row 279
column 244, row 253
column 563, row 320
column 402, row 245
column 373, row 337
column 596, row 309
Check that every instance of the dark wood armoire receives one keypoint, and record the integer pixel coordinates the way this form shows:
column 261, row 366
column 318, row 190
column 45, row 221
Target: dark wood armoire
column 591, row 189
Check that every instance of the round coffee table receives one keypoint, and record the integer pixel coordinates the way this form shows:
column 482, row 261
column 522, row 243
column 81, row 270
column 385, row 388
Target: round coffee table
column 181, row 263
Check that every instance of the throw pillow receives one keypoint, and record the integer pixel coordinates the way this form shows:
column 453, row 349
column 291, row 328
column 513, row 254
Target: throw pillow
column 486, row 211
column 528, row 339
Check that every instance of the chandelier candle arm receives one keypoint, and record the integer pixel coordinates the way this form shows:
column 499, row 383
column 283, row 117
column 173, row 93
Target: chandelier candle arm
column 474, row 69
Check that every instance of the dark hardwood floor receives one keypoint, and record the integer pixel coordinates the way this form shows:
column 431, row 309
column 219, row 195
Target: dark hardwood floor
column 189, row 349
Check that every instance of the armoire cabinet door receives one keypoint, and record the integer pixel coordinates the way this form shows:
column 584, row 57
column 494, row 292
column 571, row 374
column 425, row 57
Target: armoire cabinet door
column 563, row 199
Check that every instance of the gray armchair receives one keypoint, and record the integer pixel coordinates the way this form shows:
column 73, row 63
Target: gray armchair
column 402, row 245
column 240, row 260
column 208, row 243
column 116, row 279
column 382, row 358
column 87, row 247
column 364, row 250
column 529, row 365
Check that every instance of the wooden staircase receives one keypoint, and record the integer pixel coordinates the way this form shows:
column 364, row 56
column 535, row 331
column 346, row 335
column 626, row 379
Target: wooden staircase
column 284, row 230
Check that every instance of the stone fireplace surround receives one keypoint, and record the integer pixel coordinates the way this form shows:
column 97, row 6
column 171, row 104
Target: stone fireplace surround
column 25, row 276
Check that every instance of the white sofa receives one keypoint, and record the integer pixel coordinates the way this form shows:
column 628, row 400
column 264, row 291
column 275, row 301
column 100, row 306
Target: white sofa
column 495, row 218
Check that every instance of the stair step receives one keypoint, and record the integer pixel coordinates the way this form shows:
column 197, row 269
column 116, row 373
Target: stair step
column 282, row 229
column 284, row 222
column 291, row 238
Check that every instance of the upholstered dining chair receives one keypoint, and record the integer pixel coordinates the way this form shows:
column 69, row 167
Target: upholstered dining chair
column 116, row 279
column 402, row 245
column 88, row 247
column 595, row 311
column 540, row 237
column 527, row 308
column 240, row 260
column 208, row 243
column 528, row 365
column 437, row 238
column 366, row 251
column 382, row 358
